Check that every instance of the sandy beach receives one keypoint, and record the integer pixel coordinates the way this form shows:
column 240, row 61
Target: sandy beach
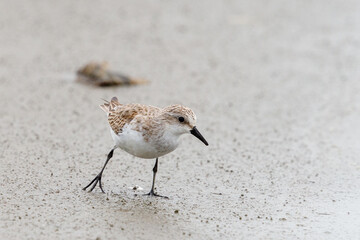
column 275, row 87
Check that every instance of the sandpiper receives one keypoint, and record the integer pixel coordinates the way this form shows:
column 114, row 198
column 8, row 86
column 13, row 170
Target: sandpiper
column 146, row 132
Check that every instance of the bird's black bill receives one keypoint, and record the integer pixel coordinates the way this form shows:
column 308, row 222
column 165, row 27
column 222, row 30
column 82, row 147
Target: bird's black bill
column 197, row 134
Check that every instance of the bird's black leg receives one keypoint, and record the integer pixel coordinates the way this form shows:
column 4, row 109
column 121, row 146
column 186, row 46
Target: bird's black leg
column 98, row 177
column 152, row 193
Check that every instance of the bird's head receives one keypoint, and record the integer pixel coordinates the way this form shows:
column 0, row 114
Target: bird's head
column 180, row 120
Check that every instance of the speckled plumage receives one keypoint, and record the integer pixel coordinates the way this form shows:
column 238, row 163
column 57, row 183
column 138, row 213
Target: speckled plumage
column 120, row 114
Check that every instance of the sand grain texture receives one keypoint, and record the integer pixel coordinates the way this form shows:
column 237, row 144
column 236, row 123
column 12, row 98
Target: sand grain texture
column 275, row 86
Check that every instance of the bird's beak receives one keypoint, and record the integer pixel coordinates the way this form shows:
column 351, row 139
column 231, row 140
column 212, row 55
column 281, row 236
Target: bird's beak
column 197, row 134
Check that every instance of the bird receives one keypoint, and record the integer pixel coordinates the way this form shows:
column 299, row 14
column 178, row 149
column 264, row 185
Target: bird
column 146, row 132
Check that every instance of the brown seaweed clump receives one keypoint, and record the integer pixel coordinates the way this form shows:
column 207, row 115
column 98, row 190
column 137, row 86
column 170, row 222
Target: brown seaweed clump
column 98, row 74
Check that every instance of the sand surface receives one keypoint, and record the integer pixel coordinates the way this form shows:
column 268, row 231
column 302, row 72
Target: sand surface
column 275, row 86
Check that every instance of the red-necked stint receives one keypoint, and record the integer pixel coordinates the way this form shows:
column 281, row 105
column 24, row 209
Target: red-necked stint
column 147, row 132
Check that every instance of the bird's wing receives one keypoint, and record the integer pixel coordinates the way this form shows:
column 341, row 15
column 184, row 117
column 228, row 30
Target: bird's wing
column 119, row 115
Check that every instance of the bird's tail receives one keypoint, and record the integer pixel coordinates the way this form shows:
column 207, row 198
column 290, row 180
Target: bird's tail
column 110, row 106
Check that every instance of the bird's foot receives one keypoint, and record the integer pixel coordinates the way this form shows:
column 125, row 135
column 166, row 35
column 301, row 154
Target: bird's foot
column 153, row 194
column 95, row 181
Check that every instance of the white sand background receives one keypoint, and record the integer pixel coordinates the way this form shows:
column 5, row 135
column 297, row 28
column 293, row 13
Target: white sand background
column 275, row 86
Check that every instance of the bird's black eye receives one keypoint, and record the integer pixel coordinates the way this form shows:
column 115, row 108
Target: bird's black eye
column 181, row 119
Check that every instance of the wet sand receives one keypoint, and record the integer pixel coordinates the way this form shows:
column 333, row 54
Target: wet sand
column 275, row 87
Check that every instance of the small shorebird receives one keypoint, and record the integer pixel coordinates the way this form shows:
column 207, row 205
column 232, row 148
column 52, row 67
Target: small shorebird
column 146, row 132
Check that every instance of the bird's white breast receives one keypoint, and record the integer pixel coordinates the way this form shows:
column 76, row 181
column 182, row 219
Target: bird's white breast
column 133, row 142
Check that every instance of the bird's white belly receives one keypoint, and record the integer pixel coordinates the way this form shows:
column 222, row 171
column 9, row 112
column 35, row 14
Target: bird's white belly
column 134, row 143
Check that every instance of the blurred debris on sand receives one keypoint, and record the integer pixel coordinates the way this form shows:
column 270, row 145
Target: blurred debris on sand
column 98, row 74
